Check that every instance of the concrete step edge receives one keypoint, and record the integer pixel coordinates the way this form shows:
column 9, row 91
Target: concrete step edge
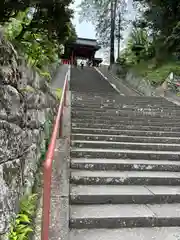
column 124, row 138
column 116, row 130
column 94, row 190
column 125, row 165
column 151, row 233
column 127, row 126
column 122, row 215
column 116, row 122
column 123, row 150
column 119, row 143
column 124, row 161
column 123, row 194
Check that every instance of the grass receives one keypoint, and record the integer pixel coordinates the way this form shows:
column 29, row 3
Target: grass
column 156, row 75
column 58, row 93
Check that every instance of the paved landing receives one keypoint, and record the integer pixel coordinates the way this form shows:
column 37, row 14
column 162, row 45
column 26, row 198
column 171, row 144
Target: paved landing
column 89, row 80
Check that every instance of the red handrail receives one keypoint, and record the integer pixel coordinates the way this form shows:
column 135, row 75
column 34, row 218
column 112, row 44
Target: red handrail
column 47, row 167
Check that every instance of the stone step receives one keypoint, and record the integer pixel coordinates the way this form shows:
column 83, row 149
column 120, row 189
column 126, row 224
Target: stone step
column 125, row 118
column 92, row 94
column 125, row 110
column 101, row 131
column 109, row 194
column 95, row 94
column 125, row 122
column 125, row 165
column 128, row 109
column 124, row 178
column 119, row 105
column 113, row 107
column 81, row 101
column 123, row 100
column 124, row 154
column 123, row 138
column 116, row 105
column 150, row 233
column 105, row 97
column 127, row 145
column 125, row 113
column 124, row 215
column 111, row 97
column 127, row 127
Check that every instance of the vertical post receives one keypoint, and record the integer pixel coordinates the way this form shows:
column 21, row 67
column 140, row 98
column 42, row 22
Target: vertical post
column 60, row 123
column 65, row 93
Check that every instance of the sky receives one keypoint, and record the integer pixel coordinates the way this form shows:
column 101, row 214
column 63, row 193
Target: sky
column 87, row 30
column 84, row 29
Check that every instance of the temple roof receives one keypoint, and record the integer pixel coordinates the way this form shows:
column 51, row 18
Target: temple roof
column 87, row 42
column 82, row 47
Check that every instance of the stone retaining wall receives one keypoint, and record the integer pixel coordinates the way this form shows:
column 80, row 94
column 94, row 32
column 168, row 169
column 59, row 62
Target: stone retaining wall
column 140, row 85
column 26, row 106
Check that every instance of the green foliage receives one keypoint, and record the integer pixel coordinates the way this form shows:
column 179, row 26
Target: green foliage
column 58, row 93
column 153, row 48
column 38, row 50
column 27, row 205
column 173, row 41
column 154, row 73
column 28, row 89
column 15, row 24
column 162, row 19
column 99, row 13
column 160, row 16
column 38, row 29
column 139, row 47
column 23, row 224
column 48, row 130
column 51, row 16
column 44, row 74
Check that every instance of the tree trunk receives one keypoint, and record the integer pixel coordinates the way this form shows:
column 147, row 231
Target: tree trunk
column 112, row 32
column 119, row 34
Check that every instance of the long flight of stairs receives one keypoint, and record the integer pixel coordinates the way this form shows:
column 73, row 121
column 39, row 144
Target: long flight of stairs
column 125, row 168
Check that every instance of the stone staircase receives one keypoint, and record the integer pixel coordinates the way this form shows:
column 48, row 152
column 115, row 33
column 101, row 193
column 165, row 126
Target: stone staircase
column 125, row 168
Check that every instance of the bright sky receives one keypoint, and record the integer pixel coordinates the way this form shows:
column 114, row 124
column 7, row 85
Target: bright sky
column 87, row 30
column 84, row 29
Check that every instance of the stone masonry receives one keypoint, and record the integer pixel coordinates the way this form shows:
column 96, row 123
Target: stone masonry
column 26, row 106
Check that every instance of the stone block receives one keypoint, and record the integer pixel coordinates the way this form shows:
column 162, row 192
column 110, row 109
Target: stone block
column 10, row 191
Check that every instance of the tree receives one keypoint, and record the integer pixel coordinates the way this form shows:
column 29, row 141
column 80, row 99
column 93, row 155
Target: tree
column 53, row 17
column 120, row 23
column 161, row 18
column 38, row 49
column 38, row 29
column 104, row 14
column 139, row 43
column 139, row 47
